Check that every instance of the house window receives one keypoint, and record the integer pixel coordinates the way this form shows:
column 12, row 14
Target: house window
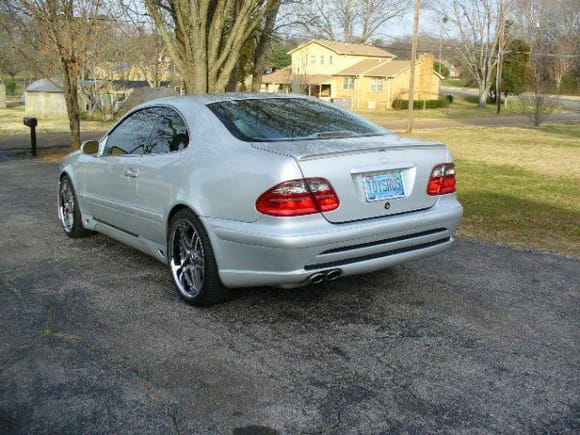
column 376, row 85
column 321, row 60
column 330, row 59
column 312, row 60
column 348, row 83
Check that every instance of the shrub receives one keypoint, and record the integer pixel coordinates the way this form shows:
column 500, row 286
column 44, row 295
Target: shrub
column 474, row 99
column 10, row 86
column 400, row 104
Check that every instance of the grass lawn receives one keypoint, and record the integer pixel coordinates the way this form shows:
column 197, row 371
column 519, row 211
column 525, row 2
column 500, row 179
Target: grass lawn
column 11, row 123
column 461, row 108
column 453, row 83
column 519, row 186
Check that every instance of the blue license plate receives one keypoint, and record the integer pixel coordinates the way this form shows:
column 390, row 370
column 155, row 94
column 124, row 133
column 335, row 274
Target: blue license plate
column 379, row 187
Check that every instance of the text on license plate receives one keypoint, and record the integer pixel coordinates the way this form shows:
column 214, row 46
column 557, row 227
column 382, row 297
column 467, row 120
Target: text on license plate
column 383, row 186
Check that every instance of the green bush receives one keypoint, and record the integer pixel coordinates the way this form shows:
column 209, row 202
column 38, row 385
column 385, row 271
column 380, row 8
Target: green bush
column 570, row 85
column 400, row 104
column 10, row 86
column 444, row 68
column 436, row 104
column 474, row 99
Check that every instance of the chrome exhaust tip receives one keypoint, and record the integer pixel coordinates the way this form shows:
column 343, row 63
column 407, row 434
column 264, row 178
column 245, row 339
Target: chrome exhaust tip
column 317, row 278
column 333, row 274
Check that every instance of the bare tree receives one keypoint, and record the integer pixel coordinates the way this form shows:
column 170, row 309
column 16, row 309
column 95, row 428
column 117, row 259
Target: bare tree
column 346, row 20
column 564, row 34
column 10, row 61
column 545, row 24
column 537, row 102
column 204, row 37
column 552, row 28
column 479, row 25
column 66, row 27
column 143, row 47
column 264, row 38
column 147, row 53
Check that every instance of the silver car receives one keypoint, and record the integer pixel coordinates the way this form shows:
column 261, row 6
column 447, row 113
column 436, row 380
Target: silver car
column 241, row 190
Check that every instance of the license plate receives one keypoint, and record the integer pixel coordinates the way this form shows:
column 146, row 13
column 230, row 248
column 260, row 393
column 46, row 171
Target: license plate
column 379, row 187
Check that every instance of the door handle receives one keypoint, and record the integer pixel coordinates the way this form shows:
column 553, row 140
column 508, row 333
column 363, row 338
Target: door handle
column 131, row 173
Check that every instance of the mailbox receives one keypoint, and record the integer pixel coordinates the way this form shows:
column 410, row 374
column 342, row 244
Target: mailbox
column 30, row 121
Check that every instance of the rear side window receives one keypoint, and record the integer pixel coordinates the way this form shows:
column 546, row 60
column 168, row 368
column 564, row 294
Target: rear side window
column 282, row 119
column 169, row 134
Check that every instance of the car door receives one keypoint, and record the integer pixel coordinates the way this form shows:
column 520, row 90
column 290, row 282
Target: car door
column 158, row 172
column 111, row 178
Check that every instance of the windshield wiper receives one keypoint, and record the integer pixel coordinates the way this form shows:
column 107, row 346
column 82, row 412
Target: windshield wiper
column 332, row 134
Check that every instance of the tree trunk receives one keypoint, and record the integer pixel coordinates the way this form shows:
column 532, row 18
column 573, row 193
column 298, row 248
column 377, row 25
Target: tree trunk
column 262, row 46
column 71, row 97
column 482, row 97
column 204, row 38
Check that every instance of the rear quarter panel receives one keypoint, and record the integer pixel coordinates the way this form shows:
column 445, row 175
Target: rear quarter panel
column 219, row 176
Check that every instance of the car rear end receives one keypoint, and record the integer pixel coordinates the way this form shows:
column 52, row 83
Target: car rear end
column 362, row 202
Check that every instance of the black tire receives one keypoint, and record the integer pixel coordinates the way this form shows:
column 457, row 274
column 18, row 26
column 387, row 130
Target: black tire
column 69, row 214
column 192, row 261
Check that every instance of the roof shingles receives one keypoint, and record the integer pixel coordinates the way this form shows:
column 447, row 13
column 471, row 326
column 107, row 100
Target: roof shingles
column 349, row 48
column 370, row 67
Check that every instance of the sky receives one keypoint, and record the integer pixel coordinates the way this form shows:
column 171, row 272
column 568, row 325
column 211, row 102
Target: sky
column 404, row 26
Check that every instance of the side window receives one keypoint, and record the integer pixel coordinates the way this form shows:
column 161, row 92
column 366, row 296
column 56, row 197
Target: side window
column 131, row 136
column 169, row 134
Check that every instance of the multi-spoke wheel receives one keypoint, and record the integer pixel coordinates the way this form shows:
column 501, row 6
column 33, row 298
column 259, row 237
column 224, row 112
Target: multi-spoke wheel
column 68, row 209
column 192, row 261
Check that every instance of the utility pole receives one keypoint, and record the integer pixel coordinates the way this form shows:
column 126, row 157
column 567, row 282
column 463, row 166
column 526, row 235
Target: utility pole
column 498, row 79
column 413, row 60
column 442, row 22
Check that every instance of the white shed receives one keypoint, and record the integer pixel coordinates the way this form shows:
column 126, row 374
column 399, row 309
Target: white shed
column 44, row 98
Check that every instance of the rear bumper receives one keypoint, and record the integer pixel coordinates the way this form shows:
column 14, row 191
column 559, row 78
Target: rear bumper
column 287, row 251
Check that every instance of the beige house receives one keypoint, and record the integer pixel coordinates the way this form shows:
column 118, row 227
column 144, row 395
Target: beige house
column 356, row 75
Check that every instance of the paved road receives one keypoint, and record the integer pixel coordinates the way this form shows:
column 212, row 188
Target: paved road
column 94, row 339
column 18, row 146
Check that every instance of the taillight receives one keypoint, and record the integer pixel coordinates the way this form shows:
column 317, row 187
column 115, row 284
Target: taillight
column 298, row 197
column 442, row 179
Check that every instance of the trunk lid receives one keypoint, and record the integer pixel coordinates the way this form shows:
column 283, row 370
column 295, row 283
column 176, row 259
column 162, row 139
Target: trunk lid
column 373, row 176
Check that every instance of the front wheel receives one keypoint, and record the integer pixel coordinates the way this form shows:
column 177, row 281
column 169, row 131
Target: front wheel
column 192, row 261
column 68, row 209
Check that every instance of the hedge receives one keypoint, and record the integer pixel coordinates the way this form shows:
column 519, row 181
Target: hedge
column 400, row 104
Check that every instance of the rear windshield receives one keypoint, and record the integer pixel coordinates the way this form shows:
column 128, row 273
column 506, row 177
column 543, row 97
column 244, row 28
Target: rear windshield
column 282, row 119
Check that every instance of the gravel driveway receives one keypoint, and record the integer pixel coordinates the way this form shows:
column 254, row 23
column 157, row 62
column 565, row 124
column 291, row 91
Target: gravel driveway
column 93, row 338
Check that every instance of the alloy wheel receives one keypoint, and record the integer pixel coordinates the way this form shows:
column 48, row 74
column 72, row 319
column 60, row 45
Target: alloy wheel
column 66, row 206
column 187, row 259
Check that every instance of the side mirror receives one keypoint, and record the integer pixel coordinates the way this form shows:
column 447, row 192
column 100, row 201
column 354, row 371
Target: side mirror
column 90, row 147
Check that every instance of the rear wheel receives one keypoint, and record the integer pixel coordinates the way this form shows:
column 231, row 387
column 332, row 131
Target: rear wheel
column 192, row 261
column 68, row 209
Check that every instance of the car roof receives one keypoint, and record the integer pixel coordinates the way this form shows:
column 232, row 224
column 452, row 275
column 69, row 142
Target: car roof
column 188, row 101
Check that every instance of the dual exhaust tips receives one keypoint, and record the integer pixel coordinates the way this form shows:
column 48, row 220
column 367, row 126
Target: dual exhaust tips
column 327, row 275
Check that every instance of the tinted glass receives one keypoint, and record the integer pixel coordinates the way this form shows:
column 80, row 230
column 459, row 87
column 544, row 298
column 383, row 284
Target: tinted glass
column 131, row 136
column 169, row 134
column 277, row 119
